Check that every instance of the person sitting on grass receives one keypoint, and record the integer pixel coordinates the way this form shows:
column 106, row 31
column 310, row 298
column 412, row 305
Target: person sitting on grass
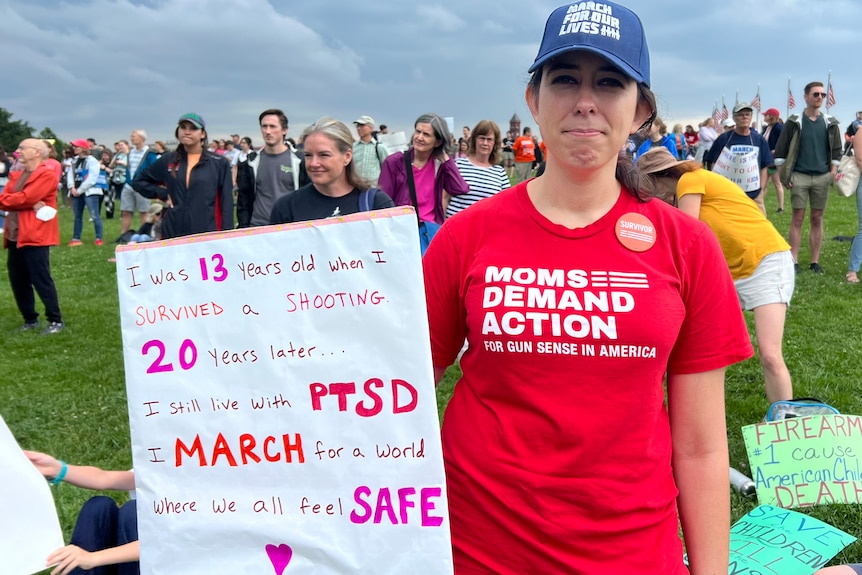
column 151, row 230
column 105, row 535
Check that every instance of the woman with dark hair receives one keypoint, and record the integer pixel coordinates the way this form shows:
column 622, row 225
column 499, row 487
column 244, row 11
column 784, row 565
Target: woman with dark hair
column 432, row 171
column 657, row 138
column 244, row 148
column 578, row 296
column 196, row 183
column 463, row 144
column 691, row 140
column 481, row 168
column 336, row 188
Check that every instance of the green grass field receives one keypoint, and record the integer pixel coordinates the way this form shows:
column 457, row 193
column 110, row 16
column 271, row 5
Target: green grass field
column 65, row 394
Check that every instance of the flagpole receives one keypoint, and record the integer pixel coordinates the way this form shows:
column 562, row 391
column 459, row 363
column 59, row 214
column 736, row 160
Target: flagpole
column 759, row 105
column 787, row 107
column 828, row 89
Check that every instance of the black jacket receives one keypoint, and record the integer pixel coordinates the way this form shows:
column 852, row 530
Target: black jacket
column 206, row 205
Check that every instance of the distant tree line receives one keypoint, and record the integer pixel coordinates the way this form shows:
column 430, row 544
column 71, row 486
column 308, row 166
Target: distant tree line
column 13, row 131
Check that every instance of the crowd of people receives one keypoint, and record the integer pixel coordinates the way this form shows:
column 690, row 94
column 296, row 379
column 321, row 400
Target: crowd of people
column 521, row 493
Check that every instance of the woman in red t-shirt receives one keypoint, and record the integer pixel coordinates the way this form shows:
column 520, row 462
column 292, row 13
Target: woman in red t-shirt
column 579, row 299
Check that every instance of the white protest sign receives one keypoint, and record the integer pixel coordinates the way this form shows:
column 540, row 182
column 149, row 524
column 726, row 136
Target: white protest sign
column 739, row 164
column 281, row 401
column 30, row 530
column 395, row 142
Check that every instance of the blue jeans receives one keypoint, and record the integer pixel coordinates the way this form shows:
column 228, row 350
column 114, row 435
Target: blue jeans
column 92, row 204
column 856, row 246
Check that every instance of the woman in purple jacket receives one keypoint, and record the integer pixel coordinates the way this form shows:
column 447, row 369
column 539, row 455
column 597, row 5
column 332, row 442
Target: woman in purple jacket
column 433, row 170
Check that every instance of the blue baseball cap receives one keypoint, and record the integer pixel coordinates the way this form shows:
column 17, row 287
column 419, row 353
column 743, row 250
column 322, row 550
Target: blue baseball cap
column 604, row 28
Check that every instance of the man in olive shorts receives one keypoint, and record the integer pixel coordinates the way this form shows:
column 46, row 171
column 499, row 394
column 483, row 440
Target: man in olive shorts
column 807, row 155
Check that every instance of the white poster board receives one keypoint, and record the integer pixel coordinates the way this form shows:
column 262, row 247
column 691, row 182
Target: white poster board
column 739, row 164
column 281, row 401
column 395, row 142
column 30, row 530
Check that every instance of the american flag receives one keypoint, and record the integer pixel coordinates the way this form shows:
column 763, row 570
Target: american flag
column 755, row 103
column 716, row 115
column 724, row 114
column 830, row 96
column 791, row 101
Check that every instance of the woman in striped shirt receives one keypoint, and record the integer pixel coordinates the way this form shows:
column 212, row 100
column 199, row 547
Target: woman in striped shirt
column 481, row 168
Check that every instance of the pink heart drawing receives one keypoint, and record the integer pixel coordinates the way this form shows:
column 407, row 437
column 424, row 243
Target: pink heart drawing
column 280, row 557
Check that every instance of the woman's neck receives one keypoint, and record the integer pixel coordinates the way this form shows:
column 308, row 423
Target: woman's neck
column 420, row 158
column 574, row 198
column 477, row 159
column 336, row 189
column 194, row 149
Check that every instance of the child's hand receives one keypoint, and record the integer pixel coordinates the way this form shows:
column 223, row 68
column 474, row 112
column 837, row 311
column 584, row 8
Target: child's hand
column 68, row 558
column 47, row 465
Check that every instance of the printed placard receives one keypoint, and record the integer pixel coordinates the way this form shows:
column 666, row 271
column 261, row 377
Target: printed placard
column 804, row 461
column 281, row 400
column 774, row 541
column 739, row 164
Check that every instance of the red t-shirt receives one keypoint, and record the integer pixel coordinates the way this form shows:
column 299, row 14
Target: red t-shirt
column 556, row 441
column 525, row 149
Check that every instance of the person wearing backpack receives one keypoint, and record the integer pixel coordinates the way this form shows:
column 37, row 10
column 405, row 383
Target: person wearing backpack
column 368, row 153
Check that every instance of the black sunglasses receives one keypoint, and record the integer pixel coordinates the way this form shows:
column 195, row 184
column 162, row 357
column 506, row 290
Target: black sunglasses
column 818, row 94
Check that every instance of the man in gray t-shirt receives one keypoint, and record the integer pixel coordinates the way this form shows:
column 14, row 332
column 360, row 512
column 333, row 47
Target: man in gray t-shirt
column 274, row 180
column 266, row 175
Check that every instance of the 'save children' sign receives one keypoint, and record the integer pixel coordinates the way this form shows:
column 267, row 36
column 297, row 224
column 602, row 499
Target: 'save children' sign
column 281, row 401
column 805, row 461
column 774, row 541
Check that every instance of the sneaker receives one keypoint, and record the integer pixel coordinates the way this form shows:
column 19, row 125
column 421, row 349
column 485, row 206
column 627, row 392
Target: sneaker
column 98, row 242
column 815, row 267
column 53, row 327
column 780, row 210
column 74, row 243
column 29, row 326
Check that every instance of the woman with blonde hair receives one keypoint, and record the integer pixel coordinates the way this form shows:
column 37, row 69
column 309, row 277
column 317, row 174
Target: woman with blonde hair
column 336, row 189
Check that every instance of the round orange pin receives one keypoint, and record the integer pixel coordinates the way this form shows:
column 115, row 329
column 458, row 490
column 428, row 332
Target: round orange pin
column 636, row 232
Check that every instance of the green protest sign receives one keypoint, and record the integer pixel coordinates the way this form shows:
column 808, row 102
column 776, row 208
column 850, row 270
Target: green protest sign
column 774, row 541
column 805, row 461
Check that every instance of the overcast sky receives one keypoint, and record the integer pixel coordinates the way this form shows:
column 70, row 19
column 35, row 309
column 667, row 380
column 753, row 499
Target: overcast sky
column 99, row 68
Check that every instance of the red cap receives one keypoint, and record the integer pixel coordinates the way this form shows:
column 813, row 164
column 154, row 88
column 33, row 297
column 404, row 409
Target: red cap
column 81, row 144
column 772, row 112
